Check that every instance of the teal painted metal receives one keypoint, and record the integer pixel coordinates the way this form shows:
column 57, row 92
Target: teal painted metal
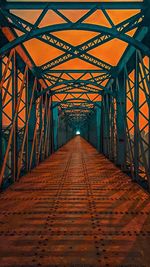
column 73, row 5
column 55, row 125
column 37, row 125
column 74, row 84
column 1, row 125
column 98, row 123
column 65, row 131
column 25, row 135
column 83, row 26
column 32, row 125
column 127, row 140
column 92, row 127
column 120, row 119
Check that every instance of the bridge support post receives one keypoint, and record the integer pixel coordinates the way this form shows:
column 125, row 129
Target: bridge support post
column 14, row 145
column 69, row 132
column 98, row 124
column 1, row 128
column 64, row 132
column 32, row 125
column 55, row 126
column 121, row 120
column 105, row 124
column 136, row 119
column 49, row 129
column 112, row 123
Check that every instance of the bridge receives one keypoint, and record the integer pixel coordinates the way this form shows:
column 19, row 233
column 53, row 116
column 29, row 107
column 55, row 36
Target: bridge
column 74, row 133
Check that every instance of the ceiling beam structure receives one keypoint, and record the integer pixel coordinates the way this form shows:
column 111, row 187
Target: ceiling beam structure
column 73, row 5
column 104, row 73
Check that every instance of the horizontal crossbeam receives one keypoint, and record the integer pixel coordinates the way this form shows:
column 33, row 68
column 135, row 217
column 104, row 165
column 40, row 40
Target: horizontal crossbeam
column 77, row 101
column 72, row 83
column 84, row 26
column 73, row 5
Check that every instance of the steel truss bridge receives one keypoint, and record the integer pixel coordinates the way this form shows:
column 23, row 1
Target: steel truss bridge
column 69, row 68
column 41, row 107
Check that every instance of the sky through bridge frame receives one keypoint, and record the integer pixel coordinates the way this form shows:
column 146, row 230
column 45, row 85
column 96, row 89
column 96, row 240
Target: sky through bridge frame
column 119, row 91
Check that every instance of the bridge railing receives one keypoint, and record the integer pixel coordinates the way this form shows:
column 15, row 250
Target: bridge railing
column 126, row 120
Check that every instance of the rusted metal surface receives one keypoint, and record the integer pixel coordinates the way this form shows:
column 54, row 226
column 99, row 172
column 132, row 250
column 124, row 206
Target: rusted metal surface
column 75, row 209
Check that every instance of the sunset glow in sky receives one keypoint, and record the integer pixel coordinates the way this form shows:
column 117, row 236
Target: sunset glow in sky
column 106, row 52
column 110, row 52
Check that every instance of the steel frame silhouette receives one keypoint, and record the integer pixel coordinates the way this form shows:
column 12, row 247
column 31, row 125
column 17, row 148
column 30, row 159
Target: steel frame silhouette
column 27, row 89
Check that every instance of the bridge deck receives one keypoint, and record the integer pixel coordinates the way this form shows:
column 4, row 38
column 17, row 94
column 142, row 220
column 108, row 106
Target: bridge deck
column 75, row 209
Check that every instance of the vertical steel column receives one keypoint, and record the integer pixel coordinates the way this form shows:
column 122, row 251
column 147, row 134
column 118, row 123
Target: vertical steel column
column 46, row 119
column 121, row 120
column 149, row 125
column 31, row 123
column 1, row 127
column 48, row 131
column 105, row 123
column 14, row 145
column 40, row 131
column 88, row 130
column 52, row 132
column 67, row 132
column 26, row 119
column 112, row 128
column 55, row 126
column 98, row 124
column 23, row 161
column 136, row 118
column 34, row 159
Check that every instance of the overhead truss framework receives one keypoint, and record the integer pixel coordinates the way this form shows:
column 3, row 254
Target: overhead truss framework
column 30, row 94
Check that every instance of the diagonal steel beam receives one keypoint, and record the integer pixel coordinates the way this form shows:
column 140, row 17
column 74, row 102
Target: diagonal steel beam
column 72, row 83
column 74, row 101
column 85, row 26
column 80, row 50
column 27, row 27
column 94, row 80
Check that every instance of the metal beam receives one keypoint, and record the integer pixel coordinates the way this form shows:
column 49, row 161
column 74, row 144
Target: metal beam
column 71, row 82
column 76, row 93
column 75, row 71
column 84, row 26
column 73, row 5
column 86, row 101
column 71, row 51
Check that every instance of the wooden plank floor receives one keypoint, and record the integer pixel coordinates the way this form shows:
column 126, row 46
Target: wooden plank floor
column 75, row 209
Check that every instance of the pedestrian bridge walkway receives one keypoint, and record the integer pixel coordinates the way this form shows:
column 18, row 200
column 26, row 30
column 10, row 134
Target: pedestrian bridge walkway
column 75, row 209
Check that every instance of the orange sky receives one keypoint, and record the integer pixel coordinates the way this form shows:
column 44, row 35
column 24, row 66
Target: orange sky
column 106, row 52
column 109, row 52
